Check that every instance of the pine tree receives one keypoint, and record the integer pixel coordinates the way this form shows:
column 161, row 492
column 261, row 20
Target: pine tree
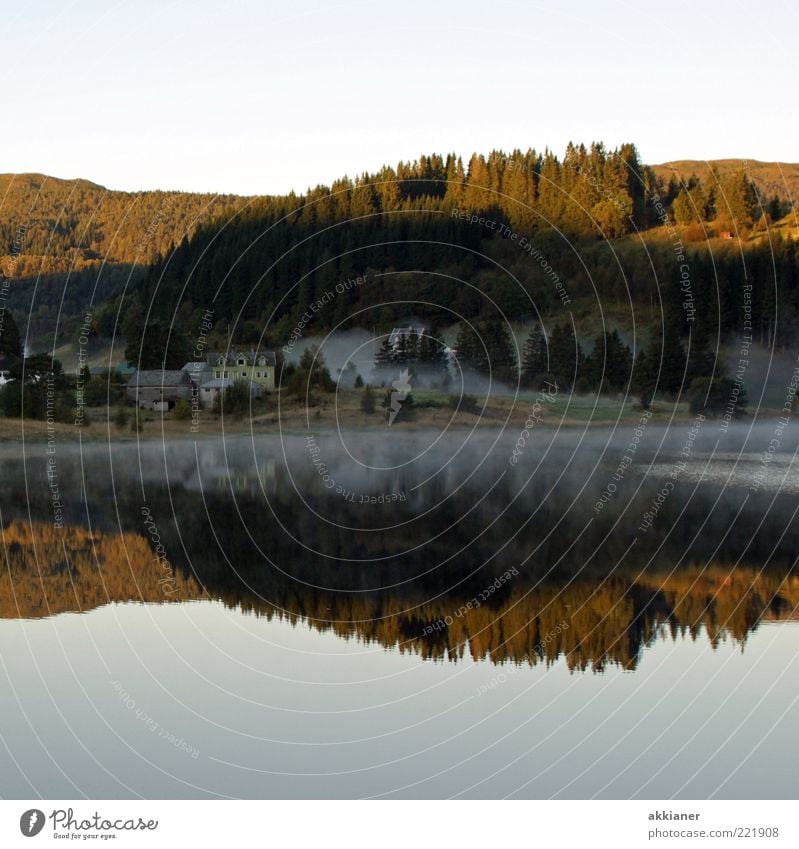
column 666, row 362
column 534, row 358
column 10, row 343
column 432, row 354
column 565, row 355
column 470, row 352
column 502, row 361
column 384, row 358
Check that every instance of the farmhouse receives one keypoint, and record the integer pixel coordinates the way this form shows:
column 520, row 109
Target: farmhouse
column 251, row 366
column 159, row 390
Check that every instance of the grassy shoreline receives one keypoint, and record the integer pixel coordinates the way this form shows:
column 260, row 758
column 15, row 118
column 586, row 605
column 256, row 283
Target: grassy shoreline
column 342, row 410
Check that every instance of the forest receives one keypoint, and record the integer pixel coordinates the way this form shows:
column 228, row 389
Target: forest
column 590, row 244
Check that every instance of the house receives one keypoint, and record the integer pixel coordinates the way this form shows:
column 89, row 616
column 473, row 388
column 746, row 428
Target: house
column 199, row 372
column 159, row 390
column 212, row 388
column 251, row 366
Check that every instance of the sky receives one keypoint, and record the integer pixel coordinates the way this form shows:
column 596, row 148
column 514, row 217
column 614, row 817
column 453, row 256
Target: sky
column 253, row 97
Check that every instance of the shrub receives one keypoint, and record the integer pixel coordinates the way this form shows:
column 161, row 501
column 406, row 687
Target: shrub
column 368, row 401
column 121, row 418
column 182, row 411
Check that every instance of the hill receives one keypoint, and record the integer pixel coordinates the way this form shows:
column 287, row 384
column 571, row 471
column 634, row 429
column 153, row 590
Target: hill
column 529, row 232
column 48, row 224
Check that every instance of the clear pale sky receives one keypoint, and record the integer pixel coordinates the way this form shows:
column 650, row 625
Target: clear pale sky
column 258, row 97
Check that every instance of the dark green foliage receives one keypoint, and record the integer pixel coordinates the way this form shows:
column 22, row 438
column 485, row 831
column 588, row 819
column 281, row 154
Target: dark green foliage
column 535, row 361
column 565, row 355
column 608, row 367
column 120, row 418
column 10, row 344
column 182, row 411
column 310, row 374
column 716, row 396
column 39, row 390
column 432, row 359
column 384, row 357
column 487, row 348
column 660, row 368
column 236, row 400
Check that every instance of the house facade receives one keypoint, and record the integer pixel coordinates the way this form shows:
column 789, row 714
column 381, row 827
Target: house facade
column 250, row 366
column 159, row 390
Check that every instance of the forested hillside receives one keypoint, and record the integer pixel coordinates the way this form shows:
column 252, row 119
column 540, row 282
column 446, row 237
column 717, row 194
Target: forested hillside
column 524, row 235
column 80, row 242
column 527, row 234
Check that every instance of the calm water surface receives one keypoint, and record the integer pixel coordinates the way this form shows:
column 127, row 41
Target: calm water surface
column 214, row 619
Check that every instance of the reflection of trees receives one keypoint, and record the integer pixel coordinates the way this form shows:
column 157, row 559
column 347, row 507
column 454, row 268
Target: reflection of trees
column 49, row 571
column 609, row 621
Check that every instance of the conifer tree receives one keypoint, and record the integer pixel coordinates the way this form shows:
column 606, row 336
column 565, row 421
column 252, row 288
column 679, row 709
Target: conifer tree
column 10, row 343
column 535, row 361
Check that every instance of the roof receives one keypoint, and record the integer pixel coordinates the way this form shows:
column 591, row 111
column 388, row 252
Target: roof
column 157, row 377
column 249, row 356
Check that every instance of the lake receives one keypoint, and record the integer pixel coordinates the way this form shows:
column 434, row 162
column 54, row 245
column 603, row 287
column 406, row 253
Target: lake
column 604, row 613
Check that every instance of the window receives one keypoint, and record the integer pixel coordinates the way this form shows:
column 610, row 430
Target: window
column 258, row 374
column 224, row 374
column 244, row 374
column 241, row 361
column 217, row 373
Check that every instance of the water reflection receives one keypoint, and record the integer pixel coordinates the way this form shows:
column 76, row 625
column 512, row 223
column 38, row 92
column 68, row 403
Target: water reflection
column 246, row 629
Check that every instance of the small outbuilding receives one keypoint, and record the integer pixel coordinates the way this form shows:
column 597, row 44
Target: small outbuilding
column 159, row 389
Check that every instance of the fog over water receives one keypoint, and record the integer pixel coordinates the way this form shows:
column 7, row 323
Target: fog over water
column 404, row 613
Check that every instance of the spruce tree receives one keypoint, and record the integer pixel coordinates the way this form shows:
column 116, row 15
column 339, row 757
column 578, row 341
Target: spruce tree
column 565, row 355
column 10, row 343
column 535, row 361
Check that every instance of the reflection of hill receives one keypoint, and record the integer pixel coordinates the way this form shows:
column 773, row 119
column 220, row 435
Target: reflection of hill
column 49, row 571
column 591, row 623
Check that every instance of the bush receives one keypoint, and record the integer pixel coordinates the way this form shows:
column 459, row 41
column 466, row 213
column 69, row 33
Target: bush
column 368, row 401
column 121, row 418
column 236, row 400
column 95, row 392
column 182, row 411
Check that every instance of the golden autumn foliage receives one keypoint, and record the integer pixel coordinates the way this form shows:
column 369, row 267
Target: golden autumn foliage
column 591, row 624
column 49, row 570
